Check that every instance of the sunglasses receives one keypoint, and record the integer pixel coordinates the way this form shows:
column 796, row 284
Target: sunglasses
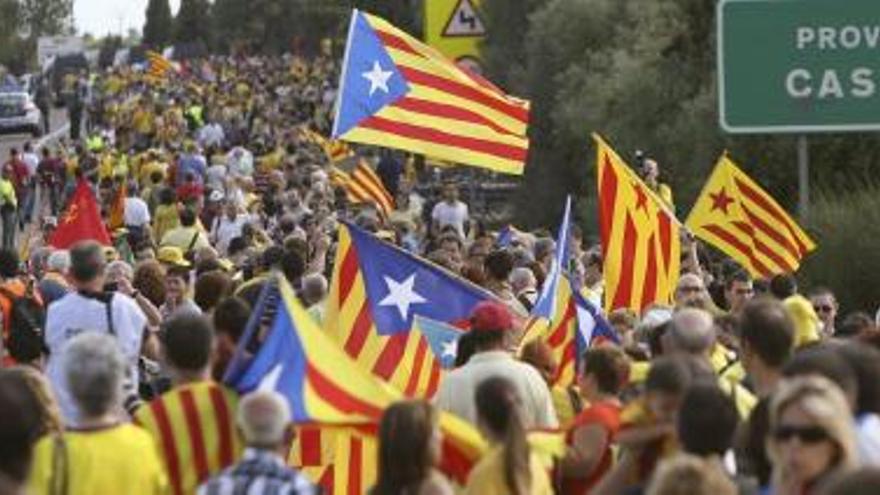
column 806, row 434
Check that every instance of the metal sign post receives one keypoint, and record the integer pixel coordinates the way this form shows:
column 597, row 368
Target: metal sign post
column 803, row 152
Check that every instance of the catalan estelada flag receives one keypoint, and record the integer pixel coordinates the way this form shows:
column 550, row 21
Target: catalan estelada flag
column 158, row 66
column 397, row 92
column 375, row 294
column 641, row 247
column 327, row 389
column 363, row 185
column 442, row 339
column 194, row 429
column 304, row 364
column 739, row 218
column 562, row 318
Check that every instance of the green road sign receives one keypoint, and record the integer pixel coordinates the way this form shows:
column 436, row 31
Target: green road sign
column 799, row 65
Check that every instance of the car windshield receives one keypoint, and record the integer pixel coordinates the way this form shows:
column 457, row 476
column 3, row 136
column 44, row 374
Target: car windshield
column 15, row 100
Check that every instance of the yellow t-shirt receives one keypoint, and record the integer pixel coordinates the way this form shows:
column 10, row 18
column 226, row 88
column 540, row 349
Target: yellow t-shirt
column 166, row 219
column 806, row 323
column 94, row 464
column 142, row 120
column 147, row 169
column 562, row 403
column 487, row 477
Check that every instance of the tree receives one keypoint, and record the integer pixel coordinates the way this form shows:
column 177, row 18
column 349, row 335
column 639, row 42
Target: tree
column 194, row 23
column 229, row 22
column 159, row 24
column 47, row 17
column 642, row 74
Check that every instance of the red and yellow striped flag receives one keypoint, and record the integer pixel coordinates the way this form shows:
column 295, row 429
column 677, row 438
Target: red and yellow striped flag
column 341, row 460
column 335, row 149
column 116, row 217
column 640, row 237
column 158, row 66
column 735, row 215
column 364, row 186
column 194, row 429
column 397, row 92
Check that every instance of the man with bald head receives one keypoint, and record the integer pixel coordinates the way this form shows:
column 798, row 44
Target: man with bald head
column 692, row 334
column 264, row 420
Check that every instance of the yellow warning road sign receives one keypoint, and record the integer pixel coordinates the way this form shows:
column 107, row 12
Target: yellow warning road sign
column 455, row 28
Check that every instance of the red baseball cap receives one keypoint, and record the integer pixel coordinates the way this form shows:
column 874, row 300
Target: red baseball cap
column 491, row 316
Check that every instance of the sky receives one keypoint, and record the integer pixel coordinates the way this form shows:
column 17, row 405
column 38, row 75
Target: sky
column 101, row 17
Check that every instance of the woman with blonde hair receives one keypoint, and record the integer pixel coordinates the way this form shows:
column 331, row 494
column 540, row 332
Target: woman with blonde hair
column 812, row 435
column 686, row 474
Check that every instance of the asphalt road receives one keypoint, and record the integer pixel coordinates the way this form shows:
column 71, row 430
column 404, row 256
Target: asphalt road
column 58, row 120
column 58, row 129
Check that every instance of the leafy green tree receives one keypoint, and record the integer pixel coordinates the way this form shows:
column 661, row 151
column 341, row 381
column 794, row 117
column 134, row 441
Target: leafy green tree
column 159, row 24
column 47, row 17
column 10, row 44
column 194, row 23
column 503, row 50
column 643, row 75
column 229, row 22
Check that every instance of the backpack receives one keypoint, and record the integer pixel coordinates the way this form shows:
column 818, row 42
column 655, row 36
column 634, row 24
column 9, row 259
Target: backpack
column 27, row 319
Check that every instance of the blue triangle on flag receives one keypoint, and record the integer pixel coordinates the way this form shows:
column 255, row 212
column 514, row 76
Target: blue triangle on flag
column 370, row 78
column 442, row 338
column 279, row 365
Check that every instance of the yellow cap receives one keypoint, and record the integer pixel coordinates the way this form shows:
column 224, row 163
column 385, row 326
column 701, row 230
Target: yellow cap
column 172, row 255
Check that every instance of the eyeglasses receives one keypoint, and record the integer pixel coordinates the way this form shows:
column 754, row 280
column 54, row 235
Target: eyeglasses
column 823, row 309
column 806, row 434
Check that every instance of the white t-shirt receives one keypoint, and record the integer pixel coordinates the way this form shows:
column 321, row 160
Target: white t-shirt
column 868, row 439
column 225, row 230
column 456, row 393
column 74, row 314
column 137, row 213
column 32, row 161
column 455, row 214
column 241, row 165
column 216, row 176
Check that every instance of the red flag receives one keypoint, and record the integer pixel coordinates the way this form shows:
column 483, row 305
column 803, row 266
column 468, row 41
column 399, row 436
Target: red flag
column 81, row 221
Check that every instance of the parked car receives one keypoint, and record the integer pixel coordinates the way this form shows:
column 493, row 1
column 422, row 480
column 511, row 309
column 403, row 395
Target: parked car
column 18, row 113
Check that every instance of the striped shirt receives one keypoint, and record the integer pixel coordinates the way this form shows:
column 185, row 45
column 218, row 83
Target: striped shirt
column 260, row 473
column 194, row 428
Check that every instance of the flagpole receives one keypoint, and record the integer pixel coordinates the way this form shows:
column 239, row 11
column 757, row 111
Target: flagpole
column 342, row 74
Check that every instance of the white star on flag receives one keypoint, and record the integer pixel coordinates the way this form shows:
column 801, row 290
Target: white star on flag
column 378, row 78
column 450, row 348
column 402, row 295
column 270, row 381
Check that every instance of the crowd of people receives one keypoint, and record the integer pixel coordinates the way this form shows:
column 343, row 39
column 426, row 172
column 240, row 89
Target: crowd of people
column 113, row 356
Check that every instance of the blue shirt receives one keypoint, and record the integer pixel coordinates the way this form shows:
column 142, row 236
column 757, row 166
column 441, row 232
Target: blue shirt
column 191, row 163
column 259, row 472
